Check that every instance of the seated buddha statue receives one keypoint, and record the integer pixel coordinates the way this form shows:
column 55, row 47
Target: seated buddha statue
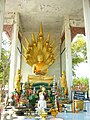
column 40, row 68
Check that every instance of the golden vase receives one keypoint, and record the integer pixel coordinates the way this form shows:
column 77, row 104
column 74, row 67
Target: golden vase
column 43, row 115
column 54, row 112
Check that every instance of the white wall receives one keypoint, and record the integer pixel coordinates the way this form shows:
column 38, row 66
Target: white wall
column 54, row 69
column 25, row 71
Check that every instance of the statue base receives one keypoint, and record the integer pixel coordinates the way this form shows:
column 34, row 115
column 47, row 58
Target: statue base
column 40, row 78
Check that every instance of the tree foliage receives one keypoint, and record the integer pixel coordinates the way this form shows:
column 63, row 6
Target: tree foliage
column 78, row 52
column 4, row 64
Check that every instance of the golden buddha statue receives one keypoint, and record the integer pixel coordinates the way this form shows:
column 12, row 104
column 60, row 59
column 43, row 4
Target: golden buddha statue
column 17, row 81
column 63, row 83
column 39, row 53
column 40, row 68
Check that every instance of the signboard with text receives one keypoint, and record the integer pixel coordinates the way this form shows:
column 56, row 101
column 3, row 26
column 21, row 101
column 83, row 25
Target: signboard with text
column 79, row 95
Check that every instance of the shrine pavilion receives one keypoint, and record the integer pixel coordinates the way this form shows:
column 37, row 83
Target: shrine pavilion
column 58, row 20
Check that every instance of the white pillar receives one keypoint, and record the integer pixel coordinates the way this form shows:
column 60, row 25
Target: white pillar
column 2, row 8
column 86, row 10
column 14, row 51
column 68, row 55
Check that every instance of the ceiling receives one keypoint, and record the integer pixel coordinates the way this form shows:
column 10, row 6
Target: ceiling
column 50, row 12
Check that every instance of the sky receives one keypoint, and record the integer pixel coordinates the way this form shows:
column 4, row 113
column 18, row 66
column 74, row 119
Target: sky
column 6, row 46
column 82, row 70
column 78, row 35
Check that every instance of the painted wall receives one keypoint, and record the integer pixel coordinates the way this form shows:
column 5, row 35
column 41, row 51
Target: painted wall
column 54, row 69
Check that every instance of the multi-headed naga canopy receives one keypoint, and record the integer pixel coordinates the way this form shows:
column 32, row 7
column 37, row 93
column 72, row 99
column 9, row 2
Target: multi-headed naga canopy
column 39, row 47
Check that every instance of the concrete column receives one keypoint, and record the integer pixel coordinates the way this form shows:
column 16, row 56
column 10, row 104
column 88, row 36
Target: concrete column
column 68, row 55
column 2, row 8
column 14, row 51
column 86, row 10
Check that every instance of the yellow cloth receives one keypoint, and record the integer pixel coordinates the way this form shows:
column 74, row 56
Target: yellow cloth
column 39, row 66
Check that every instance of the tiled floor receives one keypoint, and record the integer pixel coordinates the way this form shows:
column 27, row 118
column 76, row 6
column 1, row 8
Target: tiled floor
column 65, row 116
column 76, row 116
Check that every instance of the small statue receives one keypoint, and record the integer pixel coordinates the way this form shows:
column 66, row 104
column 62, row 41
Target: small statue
column 63, row 83
column 43, row 92
column 41, row 103
column 40, row 68
column 17, row 81
column 15, row 97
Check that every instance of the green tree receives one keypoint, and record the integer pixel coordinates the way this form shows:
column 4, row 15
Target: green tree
column 4, row 64
column 79, row 52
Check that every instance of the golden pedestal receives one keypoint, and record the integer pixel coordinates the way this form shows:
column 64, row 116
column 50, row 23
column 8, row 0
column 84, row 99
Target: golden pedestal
column 43, row 115
column 77, row 105
column 40, row 78
column 54, row 112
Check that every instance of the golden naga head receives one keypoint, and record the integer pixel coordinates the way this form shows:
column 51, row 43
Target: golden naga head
column 39, row 50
